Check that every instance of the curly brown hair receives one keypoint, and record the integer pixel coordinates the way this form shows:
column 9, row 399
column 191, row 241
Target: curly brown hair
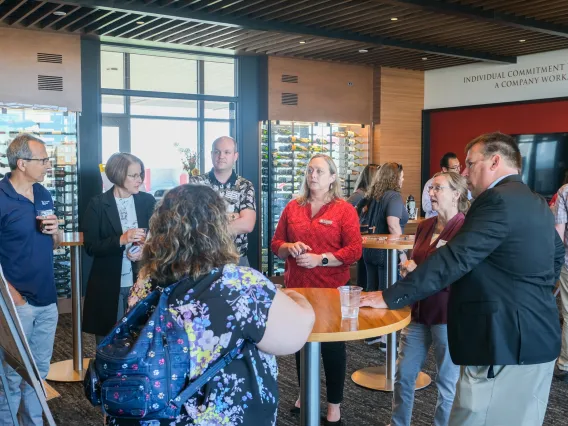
column 189, row 235
column 387, row 178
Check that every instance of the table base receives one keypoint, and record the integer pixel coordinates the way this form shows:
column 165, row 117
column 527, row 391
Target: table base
column 63, row 371
column 375, row 378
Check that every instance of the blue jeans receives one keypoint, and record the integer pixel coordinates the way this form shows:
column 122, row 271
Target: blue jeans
column 39, row 324
column 415, row 340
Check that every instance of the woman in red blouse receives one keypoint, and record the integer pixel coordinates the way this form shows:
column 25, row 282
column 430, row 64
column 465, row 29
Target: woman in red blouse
column 448, row 192
column 318, row 236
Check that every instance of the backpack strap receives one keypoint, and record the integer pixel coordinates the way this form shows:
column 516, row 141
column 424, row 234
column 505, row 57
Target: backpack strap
column 211, row 372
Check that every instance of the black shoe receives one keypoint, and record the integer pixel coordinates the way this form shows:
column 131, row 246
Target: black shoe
column 561, row 375
column 295, row 410
column 326, row 422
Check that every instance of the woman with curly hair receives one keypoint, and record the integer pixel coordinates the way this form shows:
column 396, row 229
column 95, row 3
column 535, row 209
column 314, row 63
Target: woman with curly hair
column 384, row 211
column 190, row 239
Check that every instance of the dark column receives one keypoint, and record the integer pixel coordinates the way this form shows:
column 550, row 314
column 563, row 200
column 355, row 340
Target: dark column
column 250, row 74
column 90, row 181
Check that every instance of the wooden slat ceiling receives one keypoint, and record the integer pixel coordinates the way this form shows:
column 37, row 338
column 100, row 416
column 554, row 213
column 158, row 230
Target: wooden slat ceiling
column 426, row 34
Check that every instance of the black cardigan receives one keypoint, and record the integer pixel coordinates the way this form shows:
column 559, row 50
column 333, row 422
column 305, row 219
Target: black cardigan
column 102, row 230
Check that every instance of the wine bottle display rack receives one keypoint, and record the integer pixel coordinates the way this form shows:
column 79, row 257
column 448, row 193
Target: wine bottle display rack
column 59, row 132
column 286, row 149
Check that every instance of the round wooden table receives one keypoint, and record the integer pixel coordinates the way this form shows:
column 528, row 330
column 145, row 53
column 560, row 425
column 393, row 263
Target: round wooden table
column 382, row 377
column 73, row 370
column 331, row 327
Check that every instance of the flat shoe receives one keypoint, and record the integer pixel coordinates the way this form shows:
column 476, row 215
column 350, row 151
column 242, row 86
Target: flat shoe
column 295, row 410
column 326, row 422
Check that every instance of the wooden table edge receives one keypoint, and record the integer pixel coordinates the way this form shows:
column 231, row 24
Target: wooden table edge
column 345, row 336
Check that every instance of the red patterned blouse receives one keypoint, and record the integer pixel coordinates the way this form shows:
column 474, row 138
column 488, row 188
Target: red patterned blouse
column 335, row 230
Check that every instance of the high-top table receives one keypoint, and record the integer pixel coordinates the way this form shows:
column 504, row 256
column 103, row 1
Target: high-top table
column 73, row 370
column 331, row 327
column 382, row 377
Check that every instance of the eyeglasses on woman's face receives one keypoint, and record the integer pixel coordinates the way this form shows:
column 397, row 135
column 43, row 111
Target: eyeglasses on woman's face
column 135, row 176
column 436, row 188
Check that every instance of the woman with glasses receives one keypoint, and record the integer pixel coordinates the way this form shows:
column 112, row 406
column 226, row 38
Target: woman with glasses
column 383, row 210
column 114, row 229
column 448, row 192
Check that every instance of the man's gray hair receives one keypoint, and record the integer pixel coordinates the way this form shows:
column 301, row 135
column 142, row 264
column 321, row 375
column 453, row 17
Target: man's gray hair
column 20, row 148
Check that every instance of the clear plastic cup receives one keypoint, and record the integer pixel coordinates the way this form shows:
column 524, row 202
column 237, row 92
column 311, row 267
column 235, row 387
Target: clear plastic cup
column 349, row 297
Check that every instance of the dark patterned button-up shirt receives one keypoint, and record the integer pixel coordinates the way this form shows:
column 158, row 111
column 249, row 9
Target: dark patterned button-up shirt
column 238, row 194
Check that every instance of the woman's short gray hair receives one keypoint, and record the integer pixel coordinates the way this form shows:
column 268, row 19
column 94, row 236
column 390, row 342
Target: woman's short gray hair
column 20, row 148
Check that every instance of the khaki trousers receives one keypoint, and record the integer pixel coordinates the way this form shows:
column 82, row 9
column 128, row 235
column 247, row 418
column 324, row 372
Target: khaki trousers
column 516, row 396
column 563, row 359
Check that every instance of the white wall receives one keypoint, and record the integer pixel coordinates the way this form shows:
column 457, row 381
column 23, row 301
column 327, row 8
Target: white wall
column 538, row 76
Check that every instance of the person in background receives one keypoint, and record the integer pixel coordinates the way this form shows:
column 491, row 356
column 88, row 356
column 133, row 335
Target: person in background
column 190, row 238
column 26, row 257
column 114, row 226
column 448, row 162
column 237, row 192
column 363, row 182
column 384, row 211
column 560, row 210
column 503, row 327
column 552, row 201
column 448, row 193
column 318, row 236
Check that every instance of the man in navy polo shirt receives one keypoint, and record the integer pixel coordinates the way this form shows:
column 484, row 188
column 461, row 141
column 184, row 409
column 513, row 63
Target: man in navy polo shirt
column 26, row 257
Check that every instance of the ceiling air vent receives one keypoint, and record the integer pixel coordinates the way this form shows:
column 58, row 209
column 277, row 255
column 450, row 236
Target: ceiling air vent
column 286, row 78
column 289, row 99
column 50, row 82
column 52, row 58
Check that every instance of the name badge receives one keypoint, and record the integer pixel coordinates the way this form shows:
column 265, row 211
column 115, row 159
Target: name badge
column 441, row 243
column 326, row 222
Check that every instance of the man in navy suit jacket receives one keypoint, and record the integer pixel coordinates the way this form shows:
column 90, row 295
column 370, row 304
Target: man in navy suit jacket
column 503, row 326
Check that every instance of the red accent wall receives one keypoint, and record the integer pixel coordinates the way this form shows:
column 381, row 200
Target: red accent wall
column 451, row 130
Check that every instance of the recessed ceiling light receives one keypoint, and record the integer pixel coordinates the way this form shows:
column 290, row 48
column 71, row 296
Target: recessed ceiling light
column 424, row 59
column 363, row 50
column 302, row 41
column 59, row 13
column 140, row 22
column 394, row 19
column 522, row 41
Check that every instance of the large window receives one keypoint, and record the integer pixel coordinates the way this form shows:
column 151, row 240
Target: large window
column 153, row 105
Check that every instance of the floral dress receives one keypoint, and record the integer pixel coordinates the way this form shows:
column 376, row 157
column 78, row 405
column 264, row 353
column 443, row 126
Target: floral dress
column 246, row 391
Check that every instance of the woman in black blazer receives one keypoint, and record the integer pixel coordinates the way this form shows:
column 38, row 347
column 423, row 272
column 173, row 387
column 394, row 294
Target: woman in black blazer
column 114, row 221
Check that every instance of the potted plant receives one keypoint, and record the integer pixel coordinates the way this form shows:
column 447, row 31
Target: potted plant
column 189, row 160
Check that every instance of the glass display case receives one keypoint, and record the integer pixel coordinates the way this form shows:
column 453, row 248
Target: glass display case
column 287, row 147
column 58, row 130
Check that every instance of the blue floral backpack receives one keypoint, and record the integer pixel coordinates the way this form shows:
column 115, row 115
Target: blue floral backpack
column 142, row 366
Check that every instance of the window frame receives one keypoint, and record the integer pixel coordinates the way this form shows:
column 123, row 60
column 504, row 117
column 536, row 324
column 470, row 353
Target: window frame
column 200, row 97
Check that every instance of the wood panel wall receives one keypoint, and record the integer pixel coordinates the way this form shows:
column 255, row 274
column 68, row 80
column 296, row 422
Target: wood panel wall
column 398, row 137
column 328, row 92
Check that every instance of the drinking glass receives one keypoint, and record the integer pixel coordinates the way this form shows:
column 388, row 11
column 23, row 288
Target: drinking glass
column 42, row 215
column 350, row 296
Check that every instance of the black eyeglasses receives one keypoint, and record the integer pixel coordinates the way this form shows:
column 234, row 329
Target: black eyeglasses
column 44, row 161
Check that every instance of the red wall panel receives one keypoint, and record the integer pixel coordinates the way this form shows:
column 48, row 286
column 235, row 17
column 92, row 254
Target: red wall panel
column 451, row 130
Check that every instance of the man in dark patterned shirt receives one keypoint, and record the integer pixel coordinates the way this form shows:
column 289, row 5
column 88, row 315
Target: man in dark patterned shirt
column 237, row 192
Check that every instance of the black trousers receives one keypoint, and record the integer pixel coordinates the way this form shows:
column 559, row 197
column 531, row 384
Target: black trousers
column 376, row 277
column 334, row 358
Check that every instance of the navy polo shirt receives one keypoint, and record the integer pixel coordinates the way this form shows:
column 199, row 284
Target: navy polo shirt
column 26, row 255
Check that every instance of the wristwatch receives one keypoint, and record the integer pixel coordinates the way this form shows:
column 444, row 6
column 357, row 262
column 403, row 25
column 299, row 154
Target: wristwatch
column 324, row 259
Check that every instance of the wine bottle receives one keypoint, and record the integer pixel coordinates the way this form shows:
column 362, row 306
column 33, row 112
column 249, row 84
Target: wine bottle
column 62, row 173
